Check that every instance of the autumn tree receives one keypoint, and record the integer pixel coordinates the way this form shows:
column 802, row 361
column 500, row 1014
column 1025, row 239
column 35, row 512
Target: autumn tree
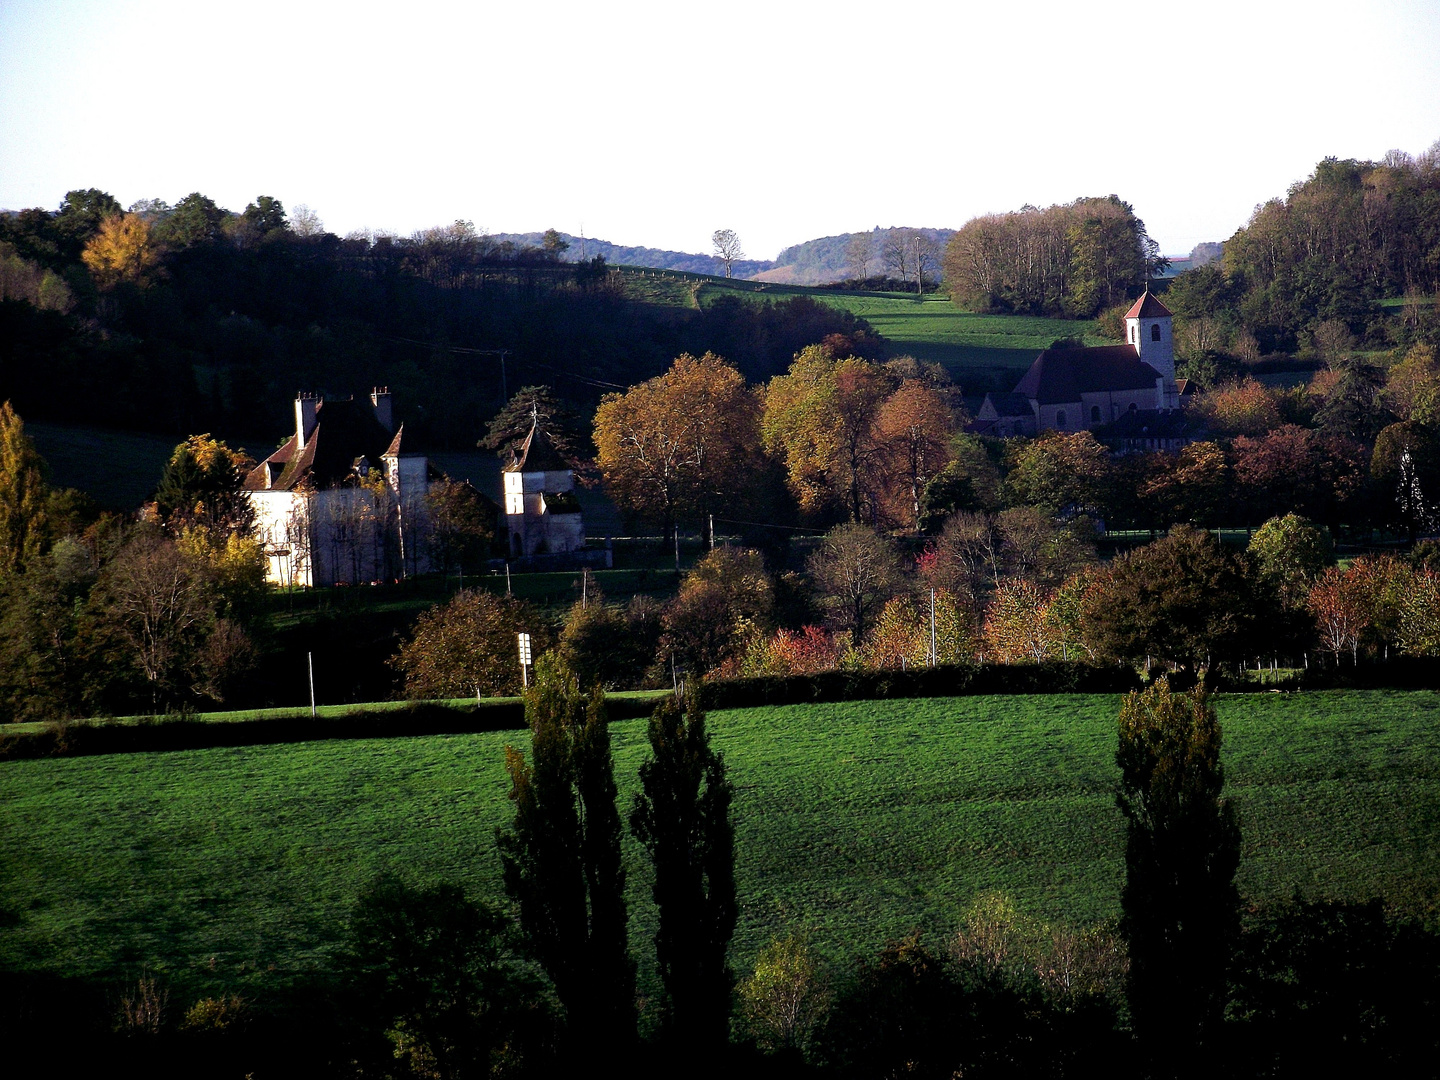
column 1295, row 469
column 681, row 816
column 727, row 598
column 1060, row 471
column 562, row 861
column 122, row 251
column 902, row 634
column 681, row 443
column 784, row 999
column 912, row 429
column 1242, row 408
column 819, row 418
column 468, row 647
column 1182, row 848
column 203, row 485
column 856, row 571
column 1190, row 487
column 463, row 522
column 158, row 605
column 1016, row 628
column 727, row 248
column 1289, row 553
column 859, row 254
column 1412, row 386
column 1183, row 599
column 1338, row 602
column 23, row 495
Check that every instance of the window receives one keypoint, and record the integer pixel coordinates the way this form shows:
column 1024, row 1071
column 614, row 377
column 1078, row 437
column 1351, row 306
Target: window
column 1094, row 414
column 1132, row 406
column 514, row 503
column 1155, row 332
column 1060, row 419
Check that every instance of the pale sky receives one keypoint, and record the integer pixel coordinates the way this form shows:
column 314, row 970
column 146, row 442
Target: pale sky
column 656, row 124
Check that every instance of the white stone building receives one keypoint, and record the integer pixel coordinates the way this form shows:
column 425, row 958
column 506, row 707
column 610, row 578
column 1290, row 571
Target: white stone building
column 1077, row 388
column 341, row 502
column 542, row 515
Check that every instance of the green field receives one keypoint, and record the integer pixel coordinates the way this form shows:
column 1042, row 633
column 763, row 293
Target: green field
column 857, row 822
column 977, row 349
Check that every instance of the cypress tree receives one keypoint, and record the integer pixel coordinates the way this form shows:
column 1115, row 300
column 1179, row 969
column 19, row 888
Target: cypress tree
column 562, row 862
column 1180, row 908
column 682, row 817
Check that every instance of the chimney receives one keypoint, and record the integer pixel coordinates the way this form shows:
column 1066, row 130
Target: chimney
column 304, row 419
column 380, row 398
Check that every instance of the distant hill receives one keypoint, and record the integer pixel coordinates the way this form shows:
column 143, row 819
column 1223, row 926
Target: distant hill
column 815, row 262
column 656, row 258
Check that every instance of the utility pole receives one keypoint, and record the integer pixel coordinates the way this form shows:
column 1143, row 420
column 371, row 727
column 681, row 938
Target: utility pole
column 507, row 577
column 584, row 588
column 712, row 532
column 524, row 659
column 310, row 662
column 934, row 658
column 677, row 548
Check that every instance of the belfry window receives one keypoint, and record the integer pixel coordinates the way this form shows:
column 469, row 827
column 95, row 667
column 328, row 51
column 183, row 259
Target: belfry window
column 1155, row 331
column 1060, row 419
column 1094, row 414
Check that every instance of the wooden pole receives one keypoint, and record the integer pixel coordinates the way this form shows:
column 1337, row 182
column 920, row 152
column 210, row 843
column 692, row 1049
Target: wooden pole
column 310, row 662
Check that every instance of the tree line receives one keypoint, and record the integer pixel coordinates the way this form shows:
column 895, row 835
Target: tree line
column 191, row 317
column 1074, row 260
column 1307, row 271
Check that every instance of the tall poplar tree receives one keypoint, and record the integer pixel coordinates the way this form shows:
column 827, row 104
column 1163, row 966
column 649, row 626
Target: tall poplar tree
column 22, row 495
column 562, row 860
column 682, row 817
column 1182, row 847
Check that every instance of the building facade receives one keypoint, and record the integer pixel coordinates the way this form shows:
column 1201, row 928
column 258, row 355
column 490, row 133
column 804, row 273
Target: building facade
column 341, row 502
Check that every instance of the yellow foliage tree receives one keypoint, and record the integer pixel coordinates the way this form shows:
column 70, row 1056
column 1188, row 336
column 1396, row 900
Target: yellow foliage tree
column 1016, row 627
column 122, row 251
column 678, row 443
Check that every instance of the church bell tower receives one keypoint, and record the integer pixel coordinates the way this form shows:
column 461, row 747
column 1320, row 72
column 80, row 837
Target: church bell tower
column 1148, row 331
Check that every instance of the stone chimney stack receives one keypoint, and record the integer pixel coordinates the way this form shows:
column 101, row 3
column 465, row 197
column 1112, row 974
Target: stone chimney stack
column 380, row 398
column 304, row 418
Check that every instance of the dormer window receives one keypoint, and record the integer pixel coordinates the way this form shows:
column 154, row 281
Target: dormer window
column 1155, row 332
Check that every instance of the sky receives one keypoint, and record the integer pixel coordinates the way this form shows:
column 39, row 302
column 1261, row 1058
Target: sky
column 656, row 124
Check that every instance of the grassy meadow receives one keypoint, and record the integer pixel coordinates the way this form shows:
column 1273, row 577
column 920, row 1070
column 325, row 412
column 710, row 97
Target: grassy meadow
column 856, row 823
column 976, row 349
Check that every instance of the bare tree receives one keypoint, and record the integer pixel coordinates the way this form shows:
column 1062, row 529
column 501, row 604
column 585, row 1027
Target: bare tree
column 859, row 254
column 856, row 571
column 305, row 222
column 895, row 253
column 727, row 248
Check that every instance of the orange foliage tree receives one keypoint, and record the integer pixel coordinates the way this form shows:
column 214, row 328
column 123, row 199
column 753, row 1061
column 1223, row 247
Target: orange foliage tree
column 912, row 430
column 680, row 443
column 1016, row 627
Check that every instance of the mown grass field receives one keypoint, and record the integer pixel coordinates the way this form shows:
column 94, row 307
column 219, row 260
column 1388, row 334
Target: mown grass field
column 857, row 823
column 977, row 349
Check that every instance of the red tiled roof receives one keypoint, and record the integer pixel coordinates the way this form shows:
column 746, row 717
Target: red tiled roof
column 1147, row 307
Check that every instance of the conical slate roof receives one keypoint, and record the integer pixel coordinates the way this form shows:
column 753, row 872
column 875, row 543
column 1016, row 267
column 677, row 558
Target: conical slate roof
column 537, row 454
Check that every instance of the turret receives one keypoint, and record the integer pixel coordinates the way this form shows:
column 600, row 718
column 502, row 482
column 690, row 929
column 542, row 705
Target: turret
column 1148, row 330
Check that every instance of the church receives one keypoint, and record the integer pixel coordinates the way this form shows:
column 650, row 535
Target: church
column 1079, row 388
